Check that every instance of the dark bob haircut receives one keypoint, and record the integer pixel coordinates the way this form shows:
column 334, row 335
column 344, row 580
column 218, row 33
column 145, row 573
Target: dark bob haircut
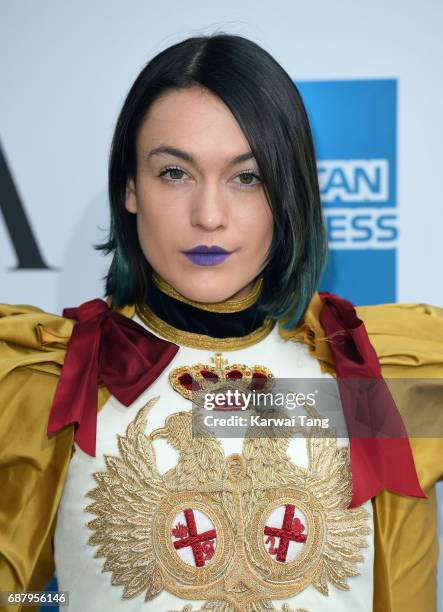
column 269, row 110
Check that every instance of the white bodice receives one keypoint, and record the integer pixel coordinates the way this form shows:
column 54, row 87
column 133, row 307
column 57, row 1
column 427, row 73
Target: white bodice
column 198, row 535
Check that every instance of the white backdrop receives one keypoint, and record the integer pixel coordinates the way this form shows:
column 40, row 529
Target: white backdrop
column 66, row 68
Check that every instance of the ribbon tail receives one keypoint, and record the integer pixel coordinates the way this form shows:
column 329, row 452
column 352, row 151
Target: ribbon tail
column 382, row 463
column 73, row 403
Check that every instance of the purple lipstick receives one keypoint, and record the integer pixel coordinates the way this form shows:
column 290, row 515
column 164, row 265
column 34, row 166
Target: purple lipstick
column 203, row 255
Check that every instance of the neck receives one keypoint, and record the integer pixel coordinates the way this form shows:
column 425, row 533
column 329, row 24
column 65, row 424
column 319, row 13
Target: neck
column 227, row 325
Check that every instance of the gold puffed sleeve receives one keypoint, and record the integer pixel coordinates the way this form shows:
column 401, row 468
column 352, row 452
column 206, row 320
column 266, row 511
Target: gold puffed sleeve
column 408, row 339
column 33, row 468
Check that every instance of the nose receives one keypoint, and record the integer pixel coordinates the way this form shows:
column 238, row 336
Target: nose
column 209, row 208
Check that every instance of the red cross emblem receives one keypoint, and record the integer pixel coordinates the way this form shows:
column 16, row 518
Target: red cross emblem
column 202, row 544
column 290, row 531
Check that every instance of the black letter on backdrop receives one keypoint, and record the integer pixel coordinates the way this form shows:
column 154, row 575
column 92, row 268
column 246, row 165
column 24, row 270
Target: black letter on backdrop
column 17, row 224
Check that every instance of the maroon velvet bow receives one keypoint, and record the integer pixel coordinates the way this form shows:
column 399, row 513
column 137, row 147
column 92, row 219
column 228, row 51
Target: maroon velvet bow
column 107, row 345
column 380, row 452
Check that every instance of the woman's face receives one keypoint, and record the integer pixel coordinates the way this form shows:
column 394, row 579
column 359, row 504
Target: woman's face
column 191, row 192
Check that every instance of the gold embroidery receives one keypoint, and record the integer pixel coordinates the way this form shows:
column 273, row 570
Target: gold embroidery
column 238, row 495
column 223, row 377
column 230, row 305
column 193, row 340
column 220, row 606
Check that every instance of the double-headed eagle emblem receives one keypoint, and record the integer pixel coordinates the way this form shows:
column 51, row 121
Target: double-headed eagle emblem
column 234, row 531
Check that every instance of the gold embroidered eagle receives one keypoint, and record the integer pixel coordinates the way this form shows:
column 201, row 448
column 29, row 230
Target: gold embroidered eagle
column 236, row 531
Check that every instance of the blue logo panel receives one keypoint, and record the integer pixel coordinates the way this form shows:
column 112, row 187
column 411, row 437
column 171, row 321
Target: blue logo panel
column 354, row 126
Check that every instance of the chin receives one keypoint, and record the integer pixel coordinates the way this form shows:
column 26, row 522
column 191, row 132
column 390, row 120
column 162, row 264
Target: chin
column 206, row 290
column 206, row 295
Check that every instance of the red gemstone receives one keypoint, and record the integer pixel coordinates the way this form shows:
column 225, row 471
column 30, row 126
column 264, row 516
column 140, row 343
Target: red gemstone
column 186, row 381
column 235, row 374
column 209, row 375
column 258, row 380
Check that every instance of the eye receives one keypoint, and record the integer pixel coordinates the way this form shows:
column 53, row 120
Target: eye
column 175, row 173
column 251, row 178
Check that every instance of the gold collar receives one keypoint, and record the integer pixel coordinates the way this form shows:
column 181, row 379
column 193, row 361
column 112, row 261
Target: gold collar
column 201, row 341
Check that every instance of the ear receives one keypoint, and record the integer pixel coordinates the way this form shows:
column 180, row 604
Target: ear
column 130, row 197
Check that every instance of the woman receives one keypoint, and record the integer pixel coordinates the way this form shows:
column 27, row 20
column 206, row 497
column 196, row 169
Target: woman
column 218, row 246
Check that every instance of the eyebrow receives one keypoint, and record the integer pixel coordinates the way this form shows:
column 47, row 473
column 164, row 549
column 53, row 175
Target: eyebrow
column 167, row 150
